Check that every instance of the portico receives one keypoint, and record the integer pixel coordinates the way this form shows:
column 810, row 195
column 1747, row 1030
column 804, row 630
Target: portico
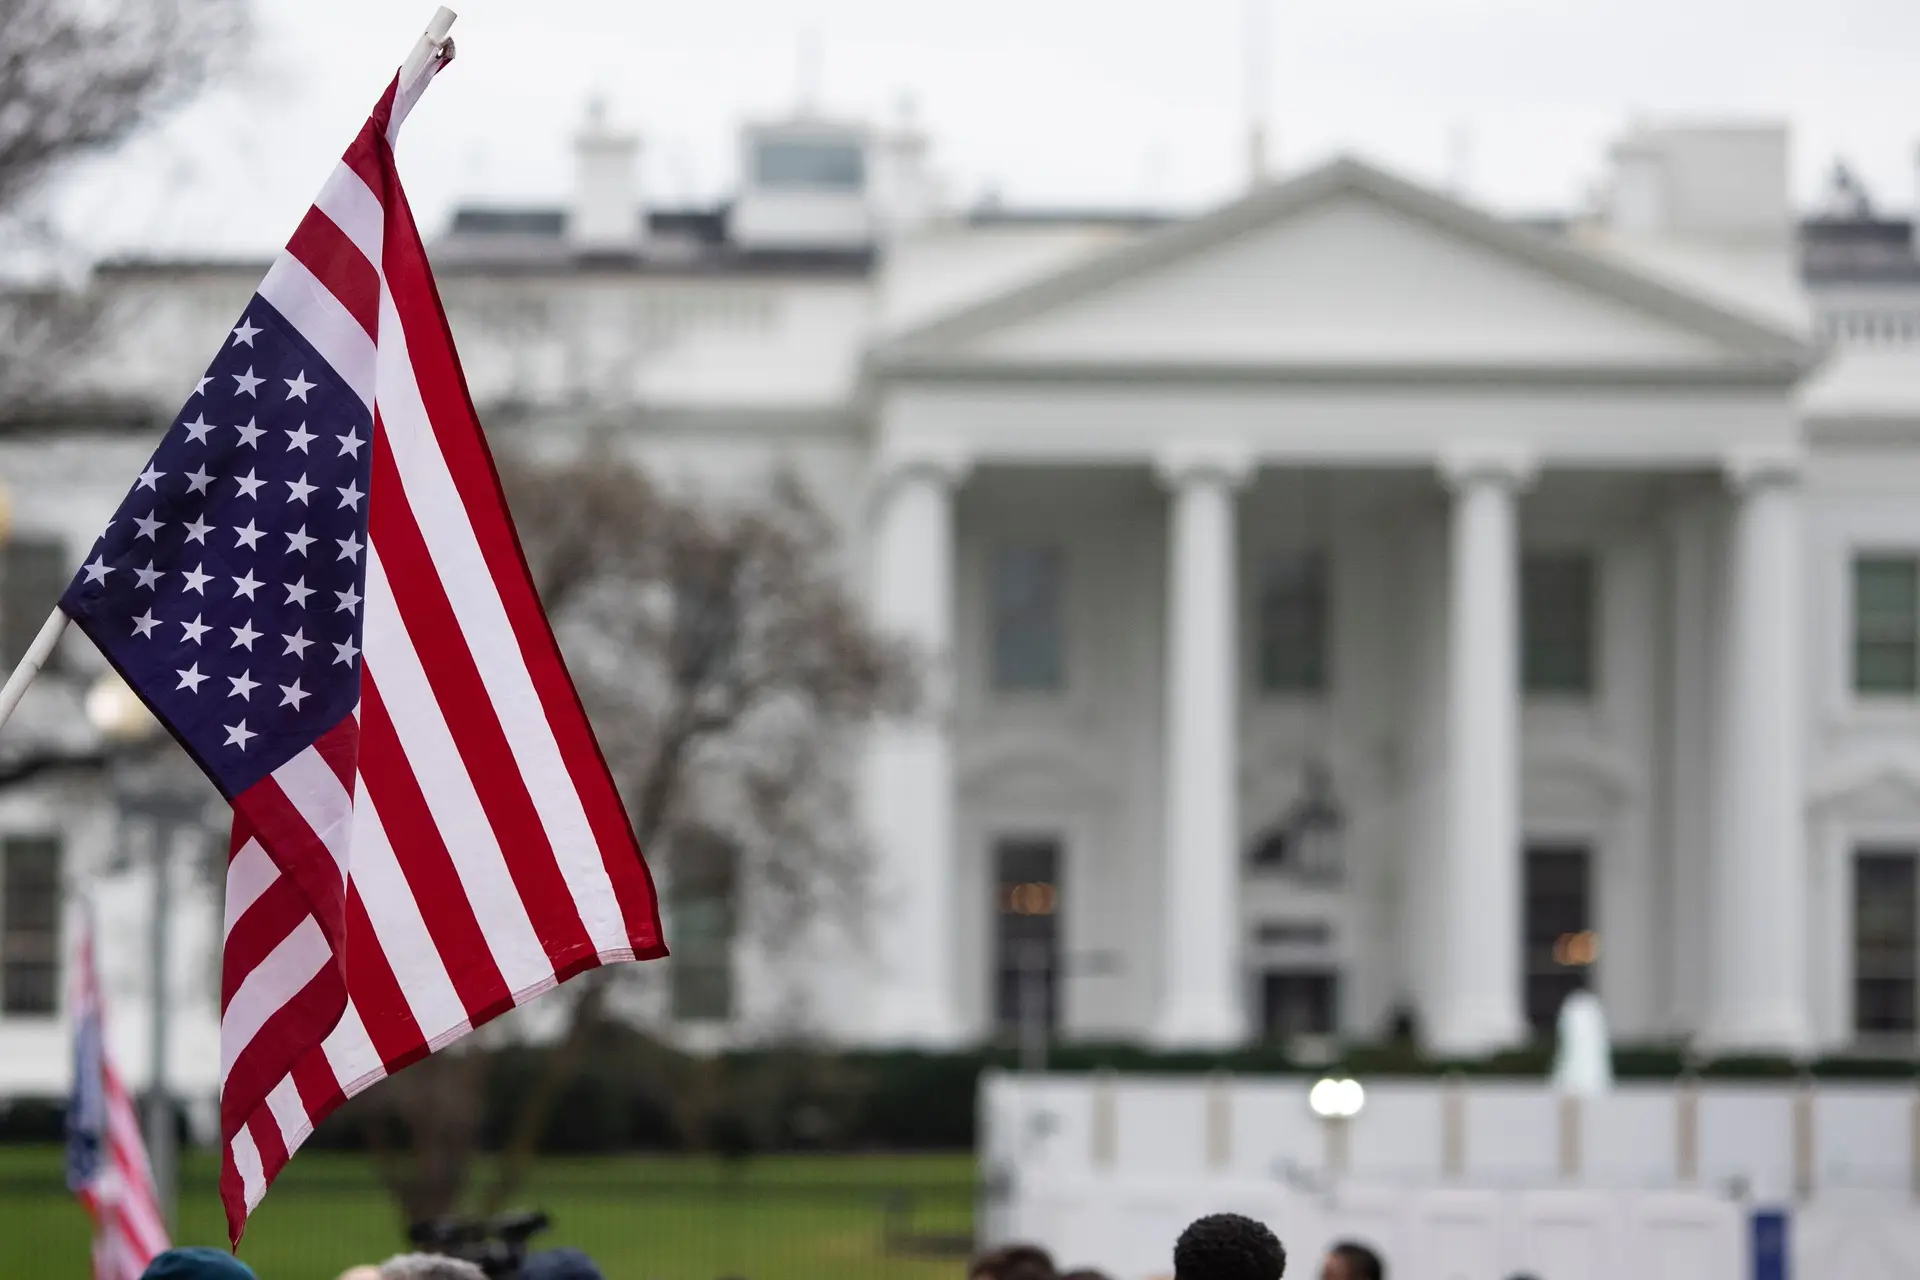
column 1432, row 375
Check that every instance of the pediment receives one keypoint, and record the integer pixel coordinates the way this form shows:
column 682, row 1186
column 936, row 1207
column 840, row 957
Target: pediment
column 1349, row 268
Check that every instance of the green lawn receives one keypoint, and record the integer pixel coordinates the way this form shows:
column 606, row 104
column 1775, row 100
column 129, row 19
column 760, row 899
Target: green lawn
column 641, row 1217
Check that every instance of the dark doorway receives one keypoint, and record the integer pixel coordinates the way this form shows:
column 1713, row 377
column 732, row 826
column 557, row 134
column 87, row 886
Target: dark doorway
column 1298, row 1002
column 1560, row 947
column 1026, row 945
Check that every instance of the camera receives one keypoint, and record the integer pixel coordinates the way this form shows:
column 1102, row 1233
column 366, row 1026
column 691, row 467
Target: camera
column 498, row 1245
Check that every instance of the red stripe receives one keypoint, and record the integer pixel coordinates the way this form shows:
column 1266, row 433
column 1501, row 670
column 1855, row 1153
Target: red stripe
column 263, row 926
column 319, row 1089
column 269, row 1142
column 299, row 854
column 377, row 997
column 339, row 266
column 286, row 1035
column 340, row 748
column 428, row 867
column 443, row 390
column 462, row 694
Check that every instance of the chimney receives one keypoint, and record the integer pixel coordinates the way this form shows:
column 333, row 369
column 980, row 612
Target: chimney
column 606, row 217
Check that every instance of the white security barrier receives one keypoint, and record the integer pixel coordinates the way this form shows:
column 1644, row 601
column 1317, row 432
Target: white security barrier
column 1462, row 1180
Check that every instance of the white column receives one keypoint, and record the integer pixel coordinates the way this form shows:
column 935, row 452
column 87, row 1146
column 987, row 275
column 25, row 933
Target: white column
column 1756, row 997
column 1201, row 1002
column 1475, row 1005
column 908, row 789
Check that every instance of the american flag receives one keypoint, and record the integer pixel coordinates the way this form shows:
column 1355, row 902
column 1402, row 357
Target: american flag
column 106, row 1160
column 315, row 585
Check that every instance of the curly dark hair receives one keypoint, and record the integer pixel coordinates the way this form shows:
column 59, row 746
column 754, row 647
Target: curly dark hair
column 1227, row 1246
column 1013, row 1262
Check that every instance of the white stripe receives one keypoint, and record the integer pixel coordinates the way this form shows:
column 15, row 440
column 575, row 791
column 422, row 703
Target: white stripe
column 321, row 319
column 350, row 1053
column 290, row 1113
column 395, row 916
column 274, row 981
column 352, row 207
column 457, row 558
column 246, row 1161
column 314, row 789
column 250, row 874
column 394, row 666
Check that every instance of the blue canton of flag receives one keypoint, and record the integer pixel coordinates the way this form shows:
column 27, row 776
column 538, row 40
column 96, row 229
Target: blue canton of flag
column 227, row 587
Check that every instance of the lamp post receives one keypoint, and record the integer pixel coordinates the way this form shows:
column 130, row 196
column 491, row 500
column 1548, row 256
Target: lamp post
column 124, row 721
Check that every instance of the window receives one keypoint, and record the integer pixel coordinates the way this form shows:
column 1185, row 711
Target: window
column 1886, row 941
column 1297, row 1002
column 29, row 926
column 701, row 908
column 1557, row 622
column 1886, row 624
column 1292, row 619
column 1026, row 944
column 810, row 166
column 1559, row 946
column 1027, row 633
column 33, row 573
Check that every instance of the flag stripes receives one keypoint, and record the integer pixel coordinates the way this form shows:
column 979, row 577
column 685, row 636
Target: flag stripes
column 456, row 846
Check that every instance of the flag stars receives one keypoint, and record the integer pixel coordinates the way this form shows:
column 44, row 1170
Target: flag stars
column 247, row 382
column 298, row 542
column 292, row 695
column 194, row 630
column 144, row 624
column 238, row 735
column 243, row 336
column 149, row 478
column 197, row 531
column 250, row 434
column 297, row 644
column 196, row 580
column 297, row 592
column 250, row 483
column 300, row 489
column 298, row 386
column 350, row 548
column 246, row 586
column 249, row 536
column 351, row 495
column 243, row 636
column 98, row 570
column 201, row 386
column 189, row 679
column 197, row 429
column 150, row 526
column 350, row 443
column 349, row 600
column 198, row 480
column 344, row 652
column 243, row 686
column 299, row 438
column 148, row 576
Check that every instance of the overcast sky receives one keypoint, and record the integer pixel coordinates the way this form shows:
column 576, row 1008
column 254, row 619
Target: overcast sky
column 1047, row 102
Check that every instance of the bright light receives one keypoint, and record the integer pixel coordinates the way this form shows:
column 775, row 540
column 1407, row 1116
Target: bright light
column 1337, row 1099
column 117, row 712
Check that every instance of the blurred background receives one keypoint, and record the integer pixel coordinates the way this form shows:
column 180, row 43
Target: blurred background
column 1309, row 608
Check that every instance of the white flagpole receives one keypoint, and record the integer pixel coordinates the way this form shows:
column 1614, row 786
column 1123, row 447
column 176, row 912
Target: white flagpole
column 429, row 45
column 36, row 656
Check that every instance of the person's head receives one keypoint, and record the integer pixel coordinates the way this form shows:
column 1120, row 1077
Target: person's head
column 360, row 1273
column 1227, row 1246
column 1351, row 1260
column 429, row 1266
column 1013, row 1262
column 559, row 1264
column 197, row 1264
column 1086, row 1273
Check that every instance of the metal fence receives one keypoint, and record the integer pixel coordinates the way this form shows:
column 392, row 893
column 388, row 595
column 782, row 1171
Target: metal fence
column 789, row 1221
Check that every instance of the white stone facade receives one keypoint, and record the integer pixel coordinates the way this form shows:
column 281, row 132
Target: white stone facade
column 1344, row 364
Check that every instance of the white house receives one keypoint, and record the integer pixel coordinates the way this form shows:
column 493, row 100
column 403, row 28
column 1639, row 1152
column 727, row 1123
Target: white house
column 1357, row 610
